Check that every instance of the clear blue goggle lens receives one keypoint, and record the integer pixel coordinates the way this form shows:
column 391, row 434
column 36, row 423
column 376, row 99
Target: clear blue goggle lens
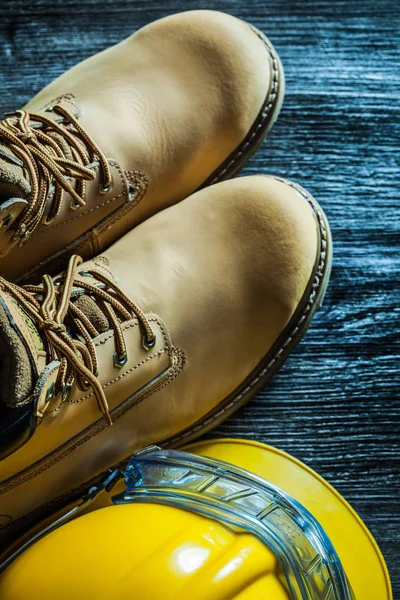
column 245, row 502
column 232, row 496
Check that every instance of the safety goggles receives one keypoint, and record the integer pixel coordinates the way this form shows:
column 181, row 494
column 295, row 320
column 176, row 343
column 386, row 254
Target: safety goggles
column 245, row 502
column 235, row 497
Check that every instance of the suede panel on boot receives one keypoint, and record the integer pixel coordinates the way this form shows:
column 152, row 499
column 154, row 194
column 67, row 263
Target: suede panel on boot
column 15, row 366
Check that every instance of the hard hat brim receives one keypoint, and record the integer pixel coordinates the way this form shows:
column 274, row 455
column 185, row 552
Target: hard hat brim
column 359, row 553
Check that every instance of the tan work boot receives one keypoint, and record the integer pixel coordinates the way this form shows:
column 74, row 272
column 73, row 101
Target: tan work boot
column 180, row 104
column 165, row 334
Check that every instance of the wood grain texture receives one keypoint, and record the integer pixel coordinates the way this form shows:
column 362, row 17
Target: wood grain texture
column 335, row 404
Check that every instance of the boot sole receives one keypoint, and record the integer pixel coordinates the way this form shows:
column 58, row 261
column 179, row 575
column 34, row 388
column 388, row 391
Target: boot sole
column 288, row 340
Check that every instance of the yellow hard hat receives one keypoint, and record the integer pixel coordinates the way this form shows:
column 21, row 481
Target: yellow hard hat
column 228, row 520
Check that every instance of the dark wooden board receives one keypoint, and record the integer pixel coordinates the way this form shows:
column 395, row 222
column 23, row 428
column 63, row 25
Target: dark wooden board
column 335, row 404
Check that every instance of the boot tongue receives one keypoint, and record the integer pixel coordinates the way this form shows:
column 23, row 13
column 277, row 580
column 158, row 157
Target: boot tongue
column 22, row 353
column 14, row 191
column 13, row 183
column 87, row 303
column 90, row 309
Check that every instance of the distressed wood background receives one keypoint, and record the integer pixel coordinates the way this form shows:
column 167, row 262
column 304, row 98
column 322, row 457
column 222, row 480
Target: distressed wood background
column 335, row 404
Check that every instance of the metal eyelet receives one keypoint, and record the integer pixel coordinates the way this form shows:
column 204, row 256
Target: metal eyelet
column 46, row 220
column 65, row 392
column 47, row 399
column 23, row 235
column 105, row 190
column 50, row 392
column 148, row 344
column 120, row 361
column 131, row 192
column 74, row 205
column 50, row 109
column 22, row 230
column 86, row 273
column 6, row 222
column 92, row 165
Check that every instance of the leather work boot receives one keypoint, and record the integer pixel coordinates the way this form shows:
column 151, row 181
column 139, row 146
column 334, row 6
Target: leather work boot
column 180, row 104
column 164, row 335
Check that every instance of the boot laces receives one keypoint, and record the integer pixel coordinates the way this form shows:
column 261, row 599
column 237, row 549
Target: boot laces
column 52, row 153
column 49, row 304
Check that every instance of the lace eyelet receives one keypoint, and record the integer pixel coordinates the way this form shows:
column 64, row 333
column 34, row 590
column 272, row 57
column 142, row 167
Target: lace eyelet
column 86, row 273
column 23, row 235
column 46, row 220
column 75, row 205
column 131, row 192
column 50, row 392
column 120, row 361
column 92, row 165
column 6, row 222
column 65, row 391
column 148, row 344
column 105, row 189
column 22, row 230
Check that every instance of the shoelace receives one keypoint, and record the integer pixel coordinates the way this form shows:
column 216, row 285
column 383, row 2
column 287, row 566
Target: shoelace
column 51, row 153
column 49, row 303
